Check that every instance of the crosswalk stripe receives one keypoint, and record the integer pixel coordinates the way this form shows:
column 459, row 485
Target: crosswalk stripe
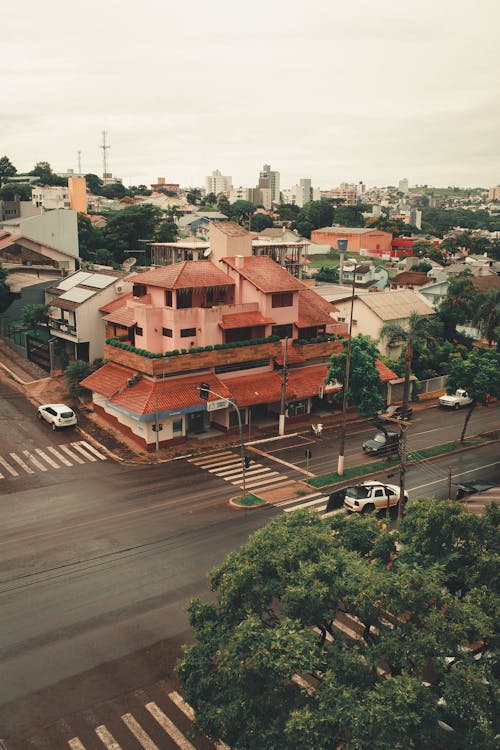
column 81, row 450
column 59, row 456
column 228, row 468
column 218, row 462
column 139, row 732
column 189, row 712
column 35, row 461
column 72, row 455
column 271, row 478
column 9, row 467
column 299, row 499
column 107, row 738
column 310, row 504
column 75, row 744
column 21, row 463
column 89, row 447
column 170, row 728
column 210, row 457
column 48, row 459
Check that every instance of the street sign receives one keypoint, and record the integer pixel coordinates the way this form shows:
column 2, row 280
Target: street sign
column 219, row 404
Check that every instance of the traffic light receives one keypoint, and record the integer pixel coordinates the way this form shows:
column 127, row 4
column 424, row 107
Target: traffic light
column 247, row 461
column 204, row 389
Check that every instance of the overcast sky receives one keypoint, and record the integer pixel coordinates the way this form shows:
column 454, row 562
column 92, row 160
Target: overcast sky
column 334, row 91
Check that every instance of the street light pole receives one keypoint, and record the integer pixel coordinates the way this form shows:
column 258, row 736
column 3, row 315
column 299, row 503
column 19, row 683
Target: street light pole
column 340, row 464
column 203, row 387
column 284, row 376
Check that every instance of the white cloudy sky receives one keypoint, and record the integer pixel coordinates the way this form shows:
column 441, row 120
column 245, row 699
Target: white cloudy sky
column 335, row 91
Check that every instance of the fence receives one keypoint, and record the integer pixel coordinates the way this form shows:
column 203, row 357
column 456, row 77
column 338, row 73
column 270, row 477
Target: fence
column 431, row 387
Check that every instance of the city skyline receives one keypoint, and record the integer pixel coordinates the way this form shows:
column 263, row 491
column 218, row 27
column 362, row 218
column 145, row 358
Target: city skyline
column 334, row 94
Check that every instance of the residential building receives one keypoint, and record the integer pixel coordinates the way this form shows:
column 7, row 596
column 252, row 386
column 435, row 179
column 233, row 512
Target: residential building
column 348, row 194
column 494, row 193
column 49, row 197
column 270, row 179
column 363, row 241
column 18, row 251
column 173, row 187
column 218, row 183
column 372, row 310
column 57, row 229
column 408, row 280
column 243, row 325
column 77, row 188
column 403, row 186
column 75, row 319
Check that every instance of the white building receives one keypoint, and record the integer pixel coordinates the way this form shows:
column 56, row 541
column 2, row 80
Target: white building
column 218, row 183
column 49, row 197
column 270, row 179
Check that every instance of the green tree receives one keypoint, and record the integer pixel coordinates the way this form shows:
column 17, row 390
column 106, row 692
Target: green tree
column 241, row 211
column 89, row 237
column 46, row 176
column 288, row 211
column 167, row 232
column 364, row 381
column 5, row 294
column 260, row 222
column 422, row 267
column 94, row 183
column 487, row 315
column 74, row 373
column 459, row 305
column 313, row 215
column 7, row 169
column 12, row 190
column 113, row 191
column 479, row 374
column 313, row 640
column 223, row 204
column 349, row 216
column 35, row 315
column 193, row 196
column 125, row 228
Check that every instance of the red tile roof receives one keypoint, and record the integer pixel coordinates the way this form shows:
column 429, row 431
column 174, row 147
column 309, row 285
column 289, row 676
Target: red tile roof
column 260, row 388
column 116, row 303
column 264, row 273
column 187, row 274
column 309, row 381
column 244, row 320
column 108, row 379
column 384, row 372
column 122, row 317
column 230, row 228
column 313, row 309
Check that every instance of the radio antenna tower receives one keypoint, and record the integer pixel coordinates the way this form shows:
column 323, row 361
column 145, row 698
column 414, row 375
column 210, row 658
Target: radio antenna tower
column 79, row 163
column 105, row 147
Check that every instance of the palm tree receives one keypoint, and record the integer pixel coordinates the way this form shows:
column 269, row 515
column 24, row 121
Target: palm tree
column 487, row 315
column 419, row 331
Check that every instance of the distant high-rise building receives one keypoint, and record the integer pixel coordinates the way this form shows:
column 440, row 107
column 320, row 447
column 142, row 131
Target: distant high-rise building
column 218, row 183
column 494, row 193
column 270, row 180
column 403, row 186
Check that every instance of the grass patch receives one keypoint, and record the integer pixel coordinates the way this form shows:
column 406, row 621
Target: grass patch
column 299, row 493
column 249, row 500
column 324, row 480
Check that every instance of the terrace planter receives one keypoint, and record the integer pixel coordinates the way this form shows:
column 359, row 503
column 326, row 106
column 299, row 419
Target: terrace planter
column 316, row 350
column 196, row 361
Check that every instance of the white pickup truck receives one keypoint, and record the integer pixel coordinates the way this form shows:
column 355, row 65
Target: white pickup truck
column 455, row 400
column 371, row 495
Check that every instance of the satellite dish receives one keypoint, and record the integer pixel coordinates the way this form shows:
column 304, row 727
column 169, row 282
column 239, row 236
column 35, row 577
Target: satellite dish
column 206, row 253
column 128, row 263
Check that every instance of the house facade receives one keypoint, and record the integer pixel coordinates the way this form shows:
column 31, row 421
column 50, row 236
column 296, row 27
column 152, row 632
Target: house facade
column 243, row 325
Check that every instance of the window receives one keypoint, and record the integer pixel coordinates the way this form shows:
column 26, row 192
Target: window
column 139, row 290
column 283, row 299
column 168, row 298
column 282, row 331
column 138, row 331
column 184, row 298
column 177, row 428
column 167, row 332
column 187, row 332
column 297, row 407
column 233, row 417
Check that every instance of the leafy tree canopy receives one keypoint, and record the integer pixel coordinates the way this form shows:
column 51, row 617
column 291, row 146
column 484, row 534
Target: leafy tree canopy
column 364, row 380
column 313, row 215
column 321, row 640
column 35, row 315
column 479, row 374
column 94, row 183
column 260, row 222
column 13, row 190
column 7, row 169
column 43, row 170
column 126, row 227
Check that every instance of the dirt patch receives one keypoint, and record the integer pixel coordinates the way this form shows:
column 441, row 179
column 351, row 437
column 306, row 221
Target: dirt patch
column 50, row 390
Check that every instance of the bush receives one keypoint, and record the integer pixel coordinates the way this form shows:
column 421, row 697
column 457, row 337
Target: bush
column 74, row 373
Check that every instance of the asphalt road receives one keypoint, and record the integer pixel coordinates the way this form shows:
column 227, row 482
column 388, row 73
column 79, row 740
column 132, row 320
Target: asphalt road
column 98, row 559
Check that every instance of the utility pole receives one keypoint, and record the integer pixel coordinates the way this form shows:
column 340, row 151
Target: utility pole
column 284, row 378
column 340, row 464
column 402, row 469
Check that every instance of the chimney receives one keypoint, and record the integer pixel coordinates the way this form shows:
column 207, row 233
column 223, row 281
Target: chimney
column 239, row 261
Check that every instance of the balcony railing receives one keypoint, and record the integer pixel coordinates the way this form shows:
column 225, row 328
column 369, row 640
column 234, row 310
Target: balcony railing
column 62, row 325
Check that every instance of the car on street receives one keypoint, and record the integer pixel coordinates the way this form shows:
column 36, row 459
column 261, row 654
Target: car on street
column 456, row 400
column 472, row 488
column 336, row 500
column 57, row 415
column 395, row 411
column 382, row 442
column 372, row 495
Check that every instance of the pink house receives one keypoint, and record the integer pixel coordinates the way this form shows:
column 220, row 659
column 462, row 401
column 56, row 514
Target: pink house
column 238, row 325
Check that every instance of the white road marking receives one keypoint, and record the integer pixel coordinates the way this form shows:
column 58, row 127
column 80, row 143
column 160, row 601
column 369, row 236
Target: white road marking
column 35, row 461
column 93, row 450
column 59, row 456
column 21, row 463
column 461, row 474
column 72, row 455
column 310, row 504
column 48, row 459
column 8, row 467
column 75, row 744
column 189, row 712
column 107, row 738
column 139, row 732
column 81, row 450
column 169, row 727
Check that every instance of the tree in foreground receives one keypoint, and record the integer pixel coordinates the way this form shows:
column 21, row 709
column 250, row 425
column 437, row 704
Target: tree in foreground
column 479, row 374
column 337, row 640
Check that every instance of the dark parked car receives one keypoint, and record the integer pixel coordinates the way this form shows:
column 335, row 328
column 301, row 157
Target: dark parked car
column 382, row 442
column 336, row 500
column 472, row 488
column 395, row 411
